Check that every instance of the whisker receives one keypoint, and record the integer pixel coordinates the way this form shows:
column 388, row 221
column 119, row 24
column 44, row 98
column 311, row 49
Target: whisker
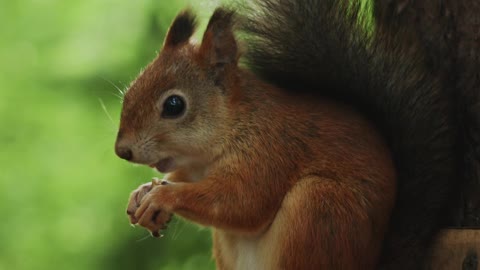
column 176, row 231
column 106, row 111
column 144, row 238
column 120, row 91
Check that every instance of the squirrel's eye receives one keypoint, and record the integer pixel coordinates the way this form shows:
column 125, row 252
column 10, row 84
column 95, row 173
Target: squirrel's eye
column 173, row 107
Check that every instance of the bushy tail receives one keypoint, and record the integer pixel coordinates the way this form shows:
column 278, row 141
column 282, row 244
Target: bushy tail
column 326, row 47
column 448, row 32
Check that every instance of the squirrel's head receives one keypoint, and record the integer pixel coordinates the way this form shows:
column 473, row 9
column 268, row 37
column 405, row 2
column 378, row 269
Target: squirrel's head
column 175, row 113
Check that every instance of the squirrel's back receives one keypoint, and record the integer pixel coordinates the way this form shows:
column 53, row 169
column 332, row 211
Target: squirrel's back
column 326, row 46
column 339, row 176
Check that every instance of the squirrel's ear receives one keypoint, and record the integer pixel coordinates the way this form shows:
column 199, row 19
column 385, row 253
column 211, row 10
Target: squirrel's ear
column 181, row 29
column 219, row 47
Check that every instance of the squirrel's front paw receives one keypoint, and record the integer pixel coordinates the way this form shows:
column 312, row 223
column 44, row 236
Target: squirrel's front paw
column 136, row 197
column 144, row 210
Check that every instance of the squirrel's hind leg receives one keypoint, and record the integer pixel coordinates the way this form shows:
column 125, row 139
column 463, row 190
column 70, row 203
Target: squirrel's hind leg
column 325, row 224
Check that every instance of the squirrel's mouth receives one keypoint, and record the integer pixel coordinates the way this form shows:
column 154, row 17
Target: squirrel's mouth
column 165, row 165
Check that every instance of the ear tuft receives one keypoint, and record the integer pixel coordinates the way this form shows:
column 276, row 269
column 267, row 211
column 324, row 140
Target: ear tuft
column 181, row 29
column 218, row 45
column 221, row 18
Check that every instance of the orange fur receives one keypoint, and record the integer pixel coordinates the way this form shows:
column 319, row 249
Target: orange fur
column 287, row 182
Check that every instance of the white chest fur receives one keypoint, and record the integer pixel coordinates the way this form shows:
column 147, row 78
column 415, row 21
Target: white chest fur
column 248, row 255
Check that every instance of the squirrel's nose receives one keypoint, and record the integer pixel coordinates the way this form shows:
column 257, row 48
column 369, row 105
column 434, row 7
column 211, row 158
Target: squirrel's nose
column 124, row 152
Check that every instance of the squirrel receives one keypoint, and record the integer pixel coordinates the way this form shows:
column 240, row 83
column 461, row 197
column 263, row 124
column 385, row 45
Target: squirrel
column 332, row 150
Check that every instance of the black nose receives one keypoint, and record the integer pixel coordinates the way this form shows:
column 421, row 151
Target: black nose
column 124, row 153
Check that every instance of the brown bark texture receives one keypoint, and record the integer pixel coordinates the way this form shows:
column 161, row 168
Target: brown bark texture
column 455, row 249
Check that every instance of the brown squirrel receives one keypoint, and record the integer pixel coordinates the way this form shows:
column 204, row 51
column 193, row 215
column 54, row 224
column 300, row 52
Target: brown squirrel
column 336, row 151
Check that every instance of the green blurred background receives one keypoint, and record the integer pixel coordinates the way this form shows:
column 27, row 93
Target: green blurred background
column 62, row 190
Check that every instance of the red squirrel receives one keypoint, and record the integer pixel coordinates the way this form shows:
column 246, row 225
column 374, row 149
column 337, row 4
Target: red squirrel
column 332, row 150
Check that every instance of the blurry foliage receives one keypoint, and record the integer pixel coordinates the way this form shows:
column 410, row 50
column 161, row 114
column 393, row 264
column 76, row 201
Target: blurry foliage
column 62, row 190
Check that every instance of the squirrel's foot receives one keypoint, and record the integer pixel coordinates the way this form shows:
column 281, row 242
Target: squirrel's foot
column 142, row 211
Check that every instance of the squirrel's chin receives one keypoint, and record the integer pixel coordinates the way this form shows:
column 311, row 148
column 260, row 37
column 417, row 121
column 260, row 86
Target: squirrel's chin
column 165, row 165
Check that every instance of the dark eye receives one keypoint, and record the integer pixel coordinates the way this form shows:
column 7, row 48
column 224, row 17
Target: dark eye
column 173, row 107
